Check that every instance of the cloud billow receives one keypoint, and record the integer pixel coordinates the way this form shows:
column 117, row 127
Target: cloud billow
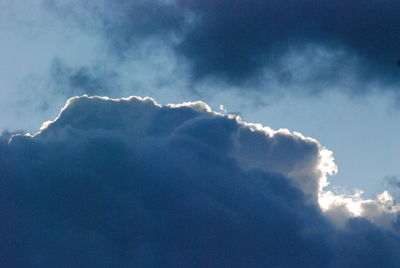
column 130, row 183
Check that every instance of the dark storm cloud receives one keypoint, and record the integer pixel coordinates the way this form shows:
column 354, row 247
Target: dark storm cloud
column 240, row 41
column 240, row 38
column 129, row 183
column 71, row 81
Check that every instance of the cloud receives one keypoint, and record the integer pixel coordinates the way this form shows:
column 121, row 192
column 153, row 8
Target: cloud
column 82, row 80
column 241, row 38
column 318, row 44
column 124, row 23
column 130, row 183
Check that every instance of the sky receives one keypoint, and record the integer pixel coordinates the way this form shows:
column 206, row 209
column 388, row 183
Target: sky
column 285, row 111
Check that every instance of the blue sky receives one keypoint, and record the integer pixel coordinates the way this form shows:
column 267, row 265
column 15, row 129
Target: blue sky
column 325, row 69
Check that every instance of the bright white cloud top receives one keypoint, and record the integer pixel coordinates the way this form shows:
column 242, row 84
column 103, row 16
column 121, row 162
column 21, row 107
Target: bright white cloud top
column 130, row 183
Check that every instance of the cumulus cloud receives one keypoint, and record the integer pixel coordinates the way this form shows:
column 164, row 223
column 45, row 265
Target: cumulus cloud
column 317, row 43
column 130, row 183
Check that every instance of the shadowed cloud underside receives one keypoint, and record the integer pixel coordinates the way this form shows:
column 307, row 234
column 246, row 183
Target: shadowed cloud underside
column 130, row 183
